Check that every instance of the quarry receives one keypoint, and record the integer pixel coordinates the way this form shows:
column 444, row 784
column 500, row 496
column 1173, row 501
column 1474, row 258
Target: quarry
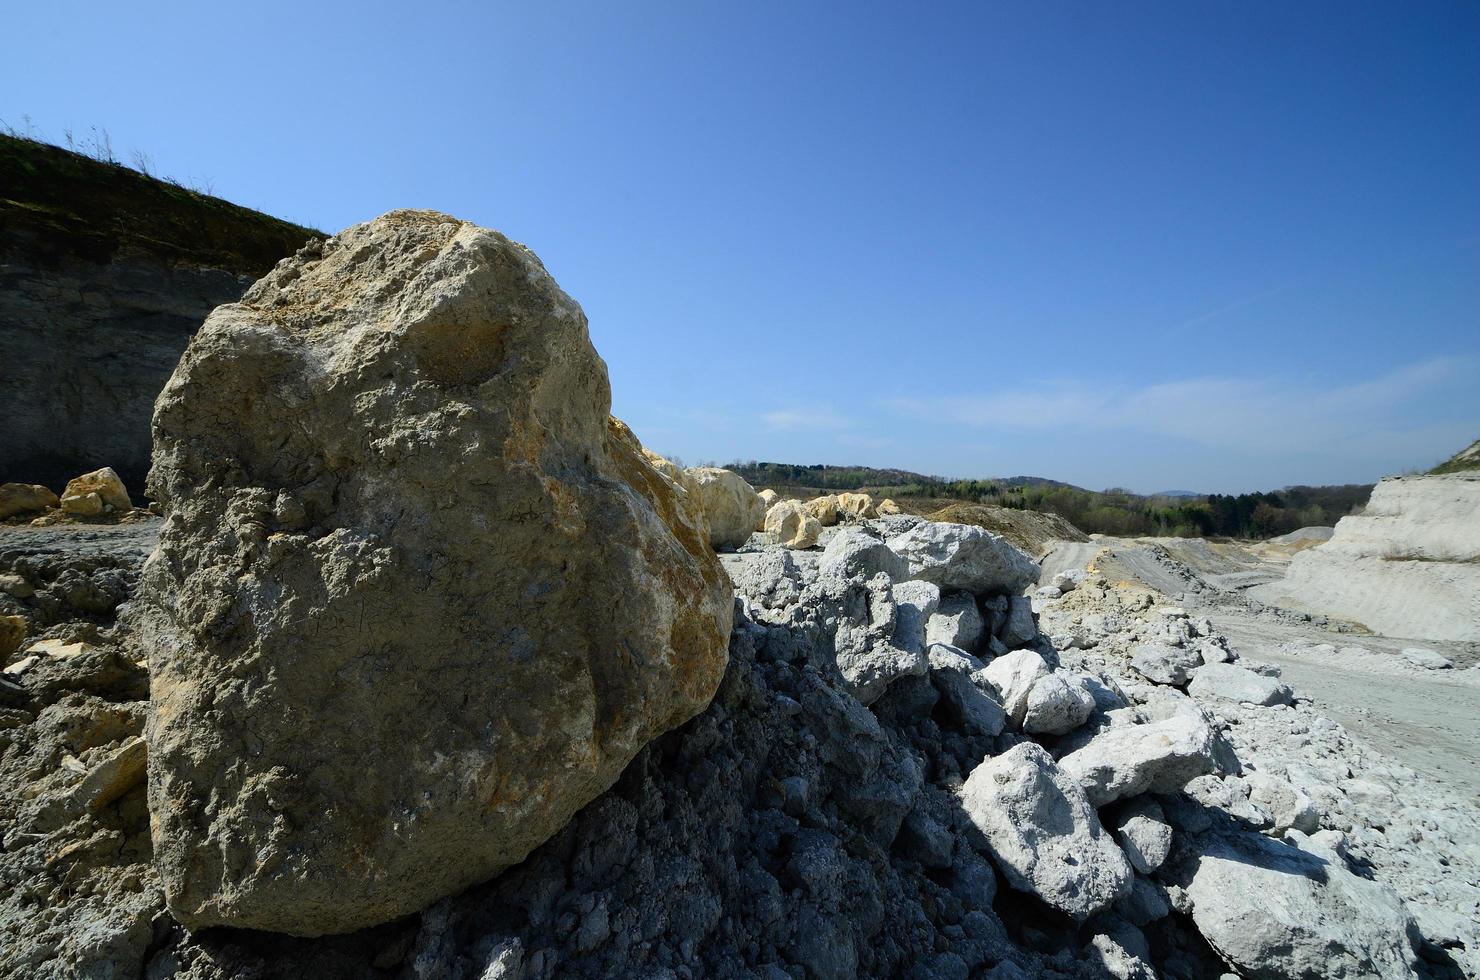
column 408, row 659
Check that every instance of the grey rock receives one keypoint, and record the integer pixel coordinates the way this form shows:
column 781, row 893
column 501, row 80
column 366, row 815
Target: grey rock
column 1162, row 663
column 1288, row 807
column 1427, row 659
column 1019, row 626
column 1143, row 832
column 478, row 543
column 1057, row 704
column 1012, row 676
column 1127, row 760
column 957, row 622
column 865, row 640
column 964, row 557
column 854, row 553
column 1275, row 911
column 966, row 705
column 917, row 603
column 1043, row 832
column 1231, row 682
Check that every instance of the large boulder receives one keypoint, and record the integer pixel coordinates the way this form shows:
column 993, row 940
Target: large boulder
column 856, row 506
column 959, row 556
column 684, row 487
column 824, row 508
column 1044, row 833
column 788, row 524
column 732, row 508
column 1012, row 676
column 1276, row 911
column 105, row 484
column 1230, row 682
column 1057, row 704
column 1127, row 760
column 416, row 599
column 24, row 498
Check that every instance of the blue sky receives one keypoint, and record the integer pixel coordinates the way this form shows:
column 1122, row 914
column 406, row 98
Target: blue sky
column 1158, row 245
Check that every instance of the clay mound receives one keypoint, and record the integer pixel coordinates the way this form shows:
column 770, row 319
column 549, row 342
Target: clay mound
column 1029, row 530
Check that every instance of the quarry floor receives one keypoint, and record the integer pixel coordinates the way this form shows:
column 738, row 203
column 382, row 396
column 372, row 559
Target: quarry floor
column 1427, row 719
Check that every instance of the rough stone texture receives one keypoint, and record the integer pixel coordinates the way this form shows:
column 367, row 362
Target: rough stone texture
column 965, row 703
column 1276, row 911
column 957, row 622
column 962, row 557
column 25, row 498
column 853, row 553
column 1013, row 676
column 417, row 599
column 871, row 649
column 1018, row 627
column 1163, row 663
column 1231, row 682
column 684, row 486
column 1127, row 760
column 790, row 526
column 856, row 506
column 1043, row 832
column 1408, row 565
column 1143, row 832
column 104, row 276
column 824, row 508
column 732, row 508
column 1057, row 704
column 104, row 484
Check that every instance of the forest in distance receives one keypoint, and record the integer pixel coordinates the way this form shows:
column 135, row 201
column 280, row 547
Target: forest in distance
column 1114, row 511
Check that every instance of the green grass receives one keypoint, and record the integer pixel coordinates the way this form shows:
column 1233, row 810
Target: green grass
column 1465, row 460
column 83, row 207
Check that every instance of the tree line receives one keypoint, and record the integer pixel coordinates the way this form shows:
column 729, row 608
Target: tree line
column 1115, row 511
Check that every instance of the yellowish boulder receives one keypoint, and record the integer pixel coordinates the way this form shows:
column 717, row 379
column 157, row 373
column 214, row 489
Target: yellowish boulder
column 856, row 506
column 732, row 508
column 824, row 508
column 12, row 635
column 105, row 484
column 83, row 504
column 769, row 498
column 24, row 498
column 789, row 525
column 887, row 508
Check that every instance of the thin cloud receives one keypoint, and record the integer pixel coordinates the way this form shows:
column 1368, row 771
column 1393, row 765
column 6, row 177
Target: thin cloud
column 1232, row 413
column 814, row 418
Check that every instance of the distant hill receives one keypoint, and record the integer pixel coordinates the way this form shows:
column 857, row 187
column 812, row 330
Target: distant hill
column 1176, row 493
column 1466, row 459
column 825, row 476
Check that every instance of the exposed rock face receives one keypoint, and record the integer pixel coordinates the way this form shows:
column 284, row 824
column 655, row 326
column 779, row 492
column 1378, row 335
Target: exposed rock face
column 1043, row 832
column 732, row 508
column 1409, row 565
column 104, row 276
column 416, row 600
